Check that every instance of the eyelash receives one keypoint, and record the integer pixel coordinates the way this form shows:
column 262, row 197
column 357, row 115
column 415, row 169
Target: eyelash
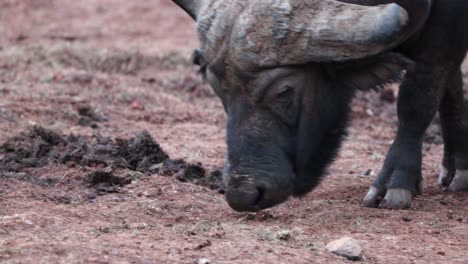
column 285, row 92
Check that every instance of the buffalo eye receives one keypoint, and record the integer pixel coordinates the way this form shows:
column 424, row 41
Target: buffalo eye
column 284, row 92
column 283, row 104
column 284, row 96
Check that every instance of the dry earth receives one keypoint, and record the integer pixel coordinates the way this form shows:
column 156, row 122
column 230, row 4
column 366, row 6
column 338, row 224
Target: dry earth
column 102, row 72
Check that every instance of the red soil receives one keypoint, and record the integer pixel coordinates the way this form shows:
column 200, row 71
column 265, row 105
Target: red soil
column 129, row 61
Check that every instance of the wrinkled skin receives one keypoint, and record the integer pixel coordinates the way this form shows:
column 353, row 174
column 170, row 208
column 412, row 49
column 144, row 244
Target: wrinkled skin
column 286, row 123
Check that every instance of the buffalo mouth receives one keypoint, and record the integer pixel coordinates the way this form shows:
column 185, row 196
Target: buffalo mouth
column 249, row 196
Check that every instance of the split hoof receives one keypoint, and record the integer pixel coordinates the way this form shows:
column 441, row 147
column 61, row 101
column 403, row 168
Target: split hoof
column 459, row 182
column 397, row 199
column 373, row 197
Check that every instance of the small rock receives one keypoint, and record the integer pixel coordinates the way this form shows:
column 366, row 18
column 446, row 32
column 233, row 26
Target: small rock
column 136, row 105
column 347, row 247
column 262, row 216
column 202, row 245
column 314, row 246
column 406, row 219
column 283, row 235
column 148, row 79
column 203, row 261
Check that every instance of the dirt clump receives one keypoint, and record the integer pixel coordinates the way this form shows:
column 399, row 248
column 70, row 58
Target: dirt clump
column 195, row 173
column 214, row 181
column 105, row 156
column 184, row 171
column 142, row 152
column 38, row 147
column 29, row 149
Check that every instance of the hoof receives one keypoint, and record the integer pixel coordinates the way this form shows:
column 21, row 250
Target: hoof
column 373, row 197
column 397, row 199
column 460, row 181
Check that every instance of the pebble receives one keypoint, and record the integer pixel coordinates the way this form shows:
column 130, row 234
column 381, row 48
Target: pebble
column 367, row 173
column 406, row 219
column 283, row 235
column 347, row 247
column 136, row 105
column 203, row 261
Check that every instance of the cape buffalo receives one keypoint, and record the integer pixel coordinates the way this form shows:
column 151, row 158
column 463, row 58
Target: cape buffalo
column 286, row 71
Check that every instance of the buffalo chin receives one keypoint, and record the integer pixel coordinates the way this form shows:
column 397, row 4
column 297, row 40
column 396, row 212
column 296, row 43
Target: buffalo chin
column 314, row 171
column 328, row 142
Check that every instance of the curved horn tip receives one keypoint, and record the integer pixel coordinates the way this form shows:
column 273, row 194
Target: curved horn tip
column 392, row 20
column 192, row 7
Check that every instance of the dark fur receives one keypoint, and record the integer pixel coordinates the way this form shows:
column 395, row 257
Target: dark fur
column 433, row 82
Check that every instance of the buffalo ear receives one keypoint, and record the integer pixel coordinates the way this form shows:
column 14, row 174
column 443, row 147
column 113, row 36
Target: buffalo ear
column 373, row 73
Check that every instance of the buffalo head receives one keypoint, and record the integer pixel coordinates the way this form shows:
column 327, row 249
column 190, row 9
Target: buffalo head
column 285, row 71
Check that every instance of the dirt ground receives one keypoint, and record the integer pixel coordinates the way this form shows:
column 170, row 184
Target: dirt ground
column 82, row 80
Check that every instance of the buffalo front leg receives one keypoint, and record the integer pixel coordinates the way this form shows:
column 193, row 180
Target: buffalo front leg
column 454, row 120
column 400, row 178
